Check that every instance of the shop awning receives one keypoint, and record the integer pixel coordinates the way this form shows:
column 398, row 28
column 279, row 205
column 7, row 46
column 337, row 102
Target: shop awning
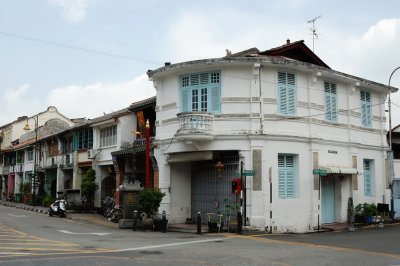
column 339, row 170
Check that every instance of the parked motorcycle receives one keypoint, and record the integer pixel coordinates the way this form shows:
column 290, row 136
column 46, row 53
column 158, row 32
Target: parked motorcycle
column 57, row 208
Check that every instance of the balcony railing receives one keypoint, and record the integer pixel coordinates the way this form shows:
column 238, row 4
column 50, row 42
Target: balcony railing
column 196, row 124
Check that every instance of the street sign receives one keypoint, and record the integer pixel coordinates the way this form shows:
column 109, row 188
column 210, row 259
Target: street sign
column 320, row 172
column 248, row 172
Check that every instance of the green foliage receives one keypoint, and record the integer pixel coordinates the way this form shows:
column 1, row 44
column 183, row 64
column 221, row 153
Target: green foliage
column 149, row 200
column 26, row 187
column 88, row 185
column 47, row 200
column 366, row 209
column 231, row 208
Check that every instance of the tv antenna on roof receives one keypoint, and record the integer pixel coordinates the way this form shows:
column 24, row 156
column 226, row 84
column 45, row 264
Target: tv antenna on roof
column 313, row 30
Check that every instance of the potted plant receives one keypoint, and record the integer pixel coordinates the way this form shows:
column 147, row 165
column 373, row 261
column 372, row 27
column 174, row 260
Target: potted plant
column 149, row 202
column 215, row 222
column 364, row 212
column 230, row 212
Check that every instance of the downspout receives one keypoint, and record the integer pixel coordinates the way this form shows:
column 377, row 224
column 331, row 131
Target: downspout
column 261, row 101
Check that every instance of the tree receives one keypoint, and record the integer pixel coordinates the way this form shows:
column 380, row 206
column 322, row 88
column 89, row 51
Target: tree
column 88, row 185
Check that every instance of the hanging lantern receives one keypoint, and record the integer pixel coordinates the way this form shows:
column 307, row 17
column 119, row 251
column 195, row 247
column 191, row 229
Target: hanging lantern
column 219, row 166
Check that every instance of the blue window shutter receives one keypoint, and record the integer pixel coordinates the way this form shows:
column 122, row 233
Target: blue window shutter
column 185, row 99
column 282, row 100
column 286, row 177
column 216, row 99
column 366, row 111
column 291, row 100
column 281, row 177
column 330, row 101
column 367, row 178
column 334, row 107
column 286, row 93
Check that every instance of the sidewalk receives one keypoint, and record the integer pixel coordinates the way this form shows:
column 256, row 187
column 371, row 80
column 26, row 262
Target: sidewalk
column 99, row 219
column 88, row 217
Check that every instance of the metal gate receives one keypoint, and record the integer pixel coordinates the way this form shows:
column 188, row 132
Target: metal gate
column 211, row 190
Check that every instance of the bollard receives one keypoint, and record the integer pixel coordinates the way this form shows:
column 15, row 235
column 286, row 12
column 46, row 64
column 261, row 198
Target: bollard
column 239, row 224
column 164, row 222
column 198, row 223
column 135, row 218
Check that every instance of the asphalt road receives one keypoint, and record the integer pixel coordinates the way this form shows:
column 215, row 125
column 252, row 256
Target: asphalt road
column 28, row 238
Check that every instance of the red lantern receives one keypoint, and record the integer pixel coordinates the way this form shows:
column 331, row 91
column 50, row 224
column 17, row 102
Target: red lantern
column 219, row 166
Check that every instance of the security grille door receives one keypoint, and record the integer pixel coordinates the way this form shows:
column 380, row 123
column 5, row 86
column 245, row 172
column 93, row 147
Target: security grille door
column 212, row 190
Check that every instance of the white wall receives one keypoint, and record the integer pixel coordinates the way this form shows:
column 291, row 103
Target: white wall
column 180, row 192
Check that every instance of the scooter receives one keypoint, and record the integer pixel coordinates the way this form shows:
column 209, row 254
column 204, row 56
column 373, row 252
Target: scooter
column 57, row 208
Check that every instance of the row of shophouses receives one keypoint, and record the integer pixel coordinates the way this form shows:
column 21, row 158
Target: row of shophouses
column 55, row 153
column 277, row 134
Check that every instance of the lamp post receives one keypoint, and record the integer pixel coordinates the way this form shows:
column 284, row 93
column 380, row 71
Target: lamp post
column 27, row 129
column 391, row 149
column 147, row 183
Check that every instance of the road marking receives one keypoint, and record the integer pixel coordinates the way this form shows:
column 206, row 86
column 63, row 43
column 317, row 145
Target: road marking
column 73, row 233
column 17, row 216
column 171, row 244
column 321, row 246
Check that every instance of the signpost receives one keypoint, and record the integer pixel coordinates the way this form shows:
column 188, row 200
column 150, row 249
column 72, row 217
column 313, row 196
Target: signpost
column 248, row 172
column 320, row 172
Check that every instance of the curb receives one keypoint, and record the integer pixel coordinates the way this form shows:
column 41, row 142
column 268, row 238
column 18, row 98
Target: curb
column 23, row 207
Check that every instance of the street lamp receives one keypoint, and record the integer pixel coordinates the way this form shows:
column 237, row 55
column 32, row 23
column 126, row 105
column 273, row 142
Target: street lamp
column 147, row 183
column 391, row 149
column 27, row 128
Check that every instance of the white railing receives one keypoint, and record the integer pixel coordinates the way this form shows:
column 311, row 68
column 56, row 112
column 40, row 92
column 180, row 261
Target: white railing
column 195, row 123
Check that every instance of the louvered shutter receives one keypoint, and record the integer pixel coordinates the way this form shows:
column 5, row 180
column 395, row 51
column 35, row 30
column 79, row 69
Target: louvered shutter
column 286, row 93
column 366, row 112
column 330, row 101
column 185, row 97
column 281, row 177
column 290, row 182
column 367, row 178
column 333, row 102
column 215, row 86
column 286, row 176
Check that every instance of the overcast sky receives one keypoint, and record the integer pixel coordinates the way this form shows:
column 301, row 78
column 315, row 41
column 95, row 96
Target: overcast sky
column 116, row 41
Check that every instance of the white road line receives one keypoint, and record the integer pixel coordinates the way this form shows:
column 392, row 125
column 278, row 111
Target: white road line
column 18, row 216
column 171, row 244
column 73, row 233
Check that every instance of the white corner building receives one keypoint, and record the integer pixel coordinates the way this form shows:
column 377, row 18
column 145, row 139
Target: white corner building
column 306, row 138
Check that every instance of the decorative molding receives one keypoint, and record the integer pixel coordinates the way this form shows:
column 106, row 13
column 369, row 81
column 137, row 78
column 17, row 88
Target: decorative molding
column 171, row 120
column 269, row 100
column 255, row 99
column 169, row 105
column 255, row 114
column 302, row 104
column 232, row 115
column 235, row 99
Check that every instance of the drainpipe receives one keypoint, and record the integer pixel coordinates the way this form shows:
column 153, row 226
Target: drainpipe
column 261, row 100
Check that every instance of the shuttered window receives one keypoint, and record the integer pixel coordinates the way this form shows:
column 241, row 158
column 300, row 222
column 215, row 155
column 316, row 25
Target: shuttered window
column 108, row 136
column 287, row 93
column 368, row 179
column 330, row 101
column 201, row 92
column 366, row 111
column 286, row 176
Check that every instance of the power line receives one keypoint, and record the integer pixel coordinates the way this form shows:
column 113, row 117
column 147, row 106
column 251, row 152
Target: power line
column 82, row 49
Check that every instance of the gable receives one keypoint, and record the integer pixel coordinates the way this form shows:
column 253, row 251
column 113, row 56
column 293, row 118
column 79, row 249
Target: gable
column 296, row 51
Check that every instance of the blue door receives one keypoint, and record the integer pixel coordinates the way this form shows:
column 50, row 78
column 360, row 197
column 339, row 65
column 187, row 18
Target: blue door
column 328, row 199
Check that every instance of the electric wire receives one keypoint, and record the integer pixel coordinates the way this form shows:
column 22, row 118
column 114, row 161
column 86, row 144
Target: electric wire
column 82, row 49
